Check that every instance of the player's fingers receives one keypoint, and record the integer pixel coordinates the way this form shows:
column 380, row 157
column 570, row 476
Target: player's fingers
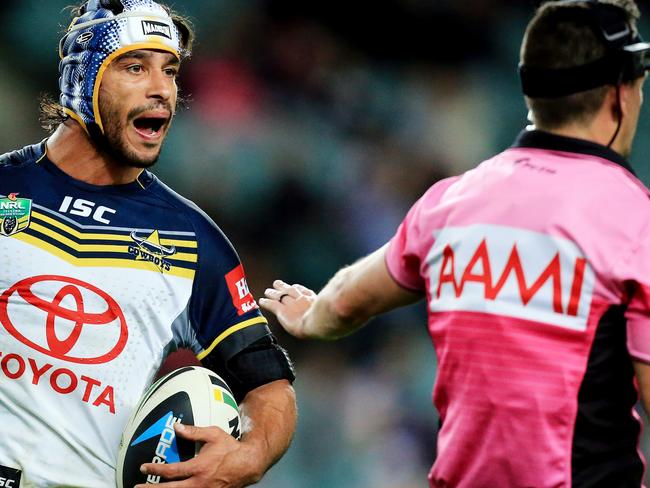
column 186, row 483
column 172, row 471
column 186, row 469
column 171, row 484
column 200, row 434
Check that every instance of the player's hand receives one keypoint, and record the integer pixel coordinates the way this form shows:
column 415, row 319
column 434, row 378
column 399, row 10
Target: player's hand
column 289, row 303
column 222, row 462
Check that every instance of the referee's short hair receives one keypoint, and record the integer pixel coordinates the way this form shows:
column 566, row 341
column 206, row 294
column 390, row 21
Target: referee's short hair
column 552, row 41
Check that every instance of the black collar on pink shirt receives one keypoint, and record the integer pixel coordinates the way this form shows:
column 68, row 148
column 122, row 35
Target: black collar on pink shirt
column 539, row 139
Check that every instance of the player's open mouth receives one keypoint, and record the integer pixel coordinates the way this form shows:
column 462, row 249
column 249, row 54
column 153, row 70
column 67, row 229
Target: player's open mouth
column 150, row 127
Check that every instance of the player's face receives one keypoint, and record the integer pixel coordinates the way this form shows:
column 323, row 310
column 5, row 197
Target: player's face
column 137, row 100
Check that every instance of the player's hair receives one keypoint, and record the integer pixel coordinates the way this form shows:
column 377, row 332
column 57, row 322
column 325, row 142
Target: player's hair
column 552, row 41
column 51, row 113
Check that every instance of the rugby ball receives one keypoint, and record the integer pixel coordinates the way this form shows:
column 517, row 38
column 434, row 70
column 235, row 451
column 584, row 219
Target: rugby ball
column 191, row 395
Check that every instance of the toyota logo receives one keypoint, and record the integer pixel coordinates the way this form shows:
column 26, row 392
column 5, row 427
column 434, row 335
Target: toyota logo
column 81, row 324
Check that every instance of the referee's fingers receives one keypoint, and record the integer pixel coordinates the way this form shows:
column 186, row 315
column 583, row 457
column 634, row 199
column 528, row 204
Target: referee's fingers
column 273, row 294
column 304, row 290
column 285, row 288
column 281, row 285
column 272, row 306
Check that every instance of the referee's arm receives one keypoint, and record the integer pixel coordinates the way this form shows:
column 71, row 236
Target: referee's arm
column 355, row 294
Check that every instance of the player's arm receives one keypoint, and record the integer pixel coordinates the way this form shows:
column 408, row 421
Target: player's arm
column 355, row 294
column 268, row 418
column 268, row 421
column 260, row 375
column 231, row 337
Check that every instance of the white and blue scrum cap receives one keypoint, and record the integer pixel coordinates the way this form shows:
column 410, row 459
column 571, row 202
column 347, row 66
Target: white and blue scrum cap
column 105, row 30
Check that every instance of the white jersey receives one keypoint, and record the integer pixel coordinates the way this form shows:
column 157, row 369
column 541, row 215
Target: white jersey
column 97, row 286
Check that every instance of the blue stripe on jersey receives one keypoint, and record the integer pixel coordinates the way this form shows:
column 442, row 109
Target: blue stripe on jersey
column 126, row 239
column 101, row 255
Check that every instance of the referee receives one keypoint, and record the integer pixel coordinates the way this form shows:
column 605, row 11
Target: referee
column 535, row 268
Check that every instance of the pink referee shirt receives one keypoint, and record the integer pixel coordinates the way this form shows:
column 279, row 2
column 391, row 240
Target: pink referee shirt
column 536, row 268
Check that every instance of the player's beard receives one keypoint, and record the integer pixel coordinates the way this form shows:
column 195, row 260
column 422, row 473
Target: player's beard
column 113, row 140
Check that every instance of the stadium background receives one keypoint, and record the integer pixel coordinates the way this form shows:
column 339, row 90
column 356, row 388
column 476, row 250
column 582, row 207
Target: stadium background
column 312, row 127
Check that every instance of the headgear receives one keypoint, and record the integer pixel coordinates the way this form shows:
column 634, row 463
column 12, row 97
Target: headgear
column 105, row 30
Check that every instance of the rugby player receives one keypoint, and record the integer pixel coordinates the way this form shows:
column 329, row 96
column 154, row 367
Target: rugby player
column 104, row 271
column 535, row 267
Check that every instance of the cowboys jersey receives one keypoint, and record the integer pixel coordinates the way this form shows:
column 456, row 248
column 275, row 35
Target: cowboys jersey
column 98, row 284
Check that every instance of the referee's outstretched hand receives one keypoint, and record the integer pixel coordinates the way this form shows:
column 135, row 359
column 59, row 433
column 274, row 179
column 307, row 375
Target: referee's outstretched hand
column 290, row 304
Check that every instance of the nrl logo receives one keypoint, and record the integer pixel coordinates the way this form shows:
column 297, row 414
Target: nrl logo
column 15, row 214
column 150, row 249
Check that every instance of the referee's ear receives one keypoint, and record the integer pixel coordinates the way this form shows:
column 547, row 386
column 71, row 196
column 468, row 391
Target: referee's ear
column 627, row 101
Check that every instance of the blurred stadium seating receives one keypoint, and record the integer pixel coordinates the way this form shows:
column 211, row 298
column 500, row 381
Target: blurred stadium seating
column 312, row 127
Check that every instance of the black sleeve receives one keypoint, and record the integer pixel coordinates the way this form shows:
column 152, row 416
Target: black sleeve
column 257, row 364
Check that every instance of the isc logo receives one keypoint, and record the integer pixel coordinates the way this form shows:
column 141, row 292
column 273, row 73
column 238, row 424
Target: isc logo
column 86, row 208
column 510, row 272
column 4, row 482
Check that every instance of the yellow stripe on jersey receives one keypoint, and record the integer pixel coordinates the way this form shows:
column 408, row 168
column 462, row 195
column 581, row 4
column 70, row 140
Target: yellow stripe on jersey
column 101, row 262
column 122, row 248
column 218, row 396
column 228, row 332
column 106, row 237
